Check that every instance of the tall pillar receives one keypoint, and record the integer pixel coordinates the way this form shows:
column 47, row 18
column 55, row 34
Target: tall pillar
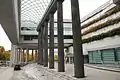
column 46, row 45
column 77, row 40
column 19, row 55
column 41, row 44
column 39, row 48
column 20, row 52
column 61, row 67
column 12, row 56
column 23, row 55
column 32, row 55
column 16, row 56
column 51, row 42
column 27, row 55
column 36, row 56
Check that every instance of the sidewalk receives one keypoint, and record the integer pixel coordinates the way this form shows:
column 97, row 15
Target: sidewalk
column 44, row 73
column 113, row 69
column 38, row 72
column 6, row 74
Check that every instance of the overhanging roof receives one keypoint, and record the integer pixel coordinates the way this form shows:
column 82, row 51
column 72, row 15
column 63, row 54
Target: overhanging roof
column 32, row 12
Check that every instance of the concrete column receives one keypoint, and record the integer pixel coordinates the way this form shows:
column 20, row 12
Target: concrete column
column 46, row 45
column 61, row 67
column 17, row 56
column 51, row 41
column 77, row 41
column 36, row 55
column 39, row 48
column 23, row 55
column 12, row 56
column 27, row 55
column 32, row 55
column 20, row 52
column 69, row 60
column 41, row 44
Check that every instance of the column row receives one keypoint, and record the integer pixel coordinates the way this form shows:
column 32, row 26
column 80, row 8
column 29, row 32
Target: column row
column 22, row 56
column 77, row 42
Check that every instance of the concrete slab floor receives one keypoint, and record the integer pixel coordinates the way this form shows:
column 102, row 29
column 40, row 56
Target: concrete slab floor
column 42, row 73
column 6, row 73
column 37, row 72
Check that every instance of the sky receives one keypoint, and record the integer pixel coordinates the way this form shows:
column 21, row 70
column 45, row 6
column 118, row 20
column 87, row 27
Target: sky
column 86, row 6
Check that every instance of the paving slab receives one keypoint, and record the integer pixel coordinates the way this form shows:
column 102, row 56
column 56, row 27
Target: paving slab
column 6, row 74
column 44, row 73
column 38, row 72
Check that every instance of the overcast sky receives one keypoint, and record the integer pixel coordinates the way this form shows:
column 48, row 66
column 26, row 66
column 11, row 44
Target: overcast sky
column 86, row 6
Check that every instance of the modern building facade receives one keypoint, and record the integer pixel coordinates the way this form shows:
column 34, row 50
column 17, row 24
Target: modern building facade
column 100, row 34
column 30, row 25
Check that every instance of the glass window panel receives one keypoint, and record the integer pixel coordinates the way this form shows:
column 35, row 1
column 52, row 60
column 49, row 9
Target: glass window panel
column 32, row 12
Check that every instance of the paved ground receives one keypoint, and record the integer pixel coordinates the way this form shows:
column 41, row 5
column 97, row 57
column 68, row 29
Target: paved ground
column 5, row 73
column 105, row 67
column 41, row 73
column 37, row 72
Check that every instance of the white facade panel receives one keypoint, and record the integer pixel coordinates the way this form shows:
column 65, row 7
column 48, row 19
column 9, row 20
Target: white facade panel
column 107, row 43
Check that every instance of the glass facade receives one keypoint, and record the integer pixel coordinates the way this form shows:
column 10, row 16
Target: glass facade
column 106, row 56
column 32, row 12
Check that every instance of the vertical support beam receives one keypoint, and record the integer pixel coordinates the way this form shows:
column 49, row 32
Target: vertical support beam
column 41, row 44
column 32, row 55
column 39, row 48
column 17, row 55
column 46, row 45
column 36, row 55
column 23, row 55
column 77, row 40
column 26, row 55
column 20, row 52
column 61, row 67
column 51, row 41
column 12, row 56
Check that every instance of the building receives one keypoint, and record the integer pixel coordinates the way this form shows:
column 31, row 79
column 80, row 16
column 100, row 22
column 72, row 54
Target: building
column 101, row 34
column 30, row 25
